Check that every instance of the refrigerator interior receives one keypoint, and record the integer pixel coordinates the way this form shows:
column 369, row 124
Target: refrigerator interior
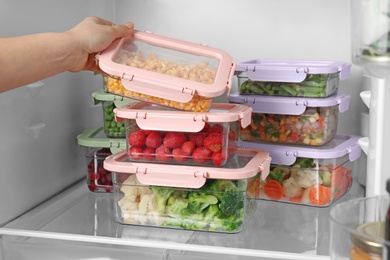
column 41, row 159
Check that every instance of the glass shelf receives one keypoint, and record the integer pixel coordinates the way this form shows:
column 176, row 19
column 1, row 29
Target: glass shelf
column 79, row 224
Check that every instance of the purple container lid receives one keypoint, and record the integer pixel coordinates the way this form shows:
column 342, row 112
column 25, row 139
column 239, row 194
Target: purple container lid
column 287, row 154
column 289, row 105
column 291, row 70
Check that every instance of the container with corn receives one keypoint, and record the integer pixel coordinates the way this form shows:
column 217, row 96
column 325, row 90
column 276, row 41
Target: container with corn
column 166, row 71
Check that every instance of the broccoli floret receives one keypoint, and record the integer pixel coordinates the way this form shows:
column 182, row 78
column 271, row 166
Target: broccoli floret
column 176, row 205
column 231, row 198
column 197, row 202
column 232, row 201
column 172, row 222
column 218, row 187
column 305, row 162
column 230, row 223
column 277, row 175
column 192, row 220
column 211, row 212
column 162, row 195
column 326, row 177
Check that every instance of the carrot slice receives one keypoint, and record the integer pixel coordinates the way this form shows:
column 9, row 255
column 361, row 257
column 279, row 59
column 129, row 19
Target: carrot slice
column 273, row 189
column 320, row 195
column 254, row 188
column 295, row 199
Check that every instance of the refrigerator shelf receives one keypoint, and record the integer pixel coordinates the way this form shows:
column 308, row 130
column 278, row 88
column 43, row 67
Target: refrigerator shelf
column 82, row 224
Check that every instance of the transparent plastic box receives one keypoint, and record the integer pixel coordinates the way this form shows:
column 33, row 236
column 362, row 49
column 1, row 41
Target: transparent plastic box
column 109, row 102
column 287, row 120
column 309, row 176
column 161, row 135
column 358, row 228
column 371, row 34
column 166, row 71
column 97, row 147
column 296, row 78
column 183, row 197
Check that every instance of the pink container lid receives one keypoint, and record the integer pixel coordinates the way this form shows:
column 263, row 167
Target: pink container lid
column 162, row 85
column 246, row 164
column 153, row 117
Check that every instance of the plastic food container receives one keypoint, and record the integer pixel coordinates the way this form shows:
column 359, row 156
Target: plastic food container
column 298, row 121
column 187, row 197
column 309, row 176
column 166, row 71
column 97, row 147
column 109, row 102
column 296, row 78
column 371, row 32
column 162, row 135
column 358, row 229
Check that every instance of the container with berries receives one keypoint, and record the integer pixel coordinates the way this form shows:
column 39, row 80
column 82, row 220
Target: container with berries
column 156, row 134
column 97, row 147
column 166, row 71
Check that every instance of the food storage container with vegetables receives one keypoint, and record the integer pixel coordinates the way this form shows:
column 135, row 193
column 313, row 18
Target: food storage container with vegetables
column 167, row 71
column 97, row 147
column 307, row 175
column 217, row 199
column 292, row 120
column 296, row 78
column 163, row 135
column 109, row 101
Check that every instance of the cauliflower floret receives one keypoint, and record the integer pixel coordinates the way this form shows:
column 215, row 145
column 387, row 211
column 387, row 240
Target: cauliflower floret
column 128, row 218
column 292, row 188
column 148, row 203
column 307, row 178
column 128, row 204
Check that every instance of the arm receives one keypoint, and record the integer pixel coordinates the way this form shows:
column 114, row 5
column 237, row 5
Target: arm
column 30, row 58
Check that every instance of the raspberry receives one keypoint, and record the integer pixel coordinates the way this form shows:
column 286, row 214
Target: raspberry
column 174, row 140
column 135, row 152
column 205, row 128
column 197, row 138
column 149, row 154
column 137, row 138
column 201, row 155
column 153, row 140
column 213, row 142
column 188, row 147
column 218, row 158
column 163, row 154
column 215, row 129
column 179, row 155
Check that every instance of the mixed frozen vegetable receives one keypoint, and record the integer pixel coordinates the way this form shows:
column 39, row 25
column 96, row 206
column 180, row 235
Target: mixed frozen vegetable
column 219, row 205
column 315, row 127
column 315, row 85
column 306, row 182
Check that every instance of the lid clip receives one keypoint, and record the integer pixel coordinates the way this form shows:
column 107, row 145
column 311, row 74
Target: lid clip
column 302, row 70
column 127, row 77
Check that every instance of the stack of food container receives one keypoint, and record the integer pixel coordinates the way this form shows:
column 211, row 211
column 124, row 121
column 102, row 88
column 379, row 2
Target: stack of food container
column 296, row 106
column 102, row 141
column 181, row 167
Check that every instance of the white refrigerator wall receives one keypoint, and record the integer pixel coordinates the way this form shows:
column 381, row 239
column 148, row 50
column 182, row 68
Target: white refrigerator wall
column 40, row 122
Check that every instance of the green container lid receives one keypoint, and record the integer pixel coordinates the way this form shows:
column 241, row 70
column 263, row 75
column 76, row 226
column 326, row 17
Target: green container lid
column 95, row 138
column 119, row 101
